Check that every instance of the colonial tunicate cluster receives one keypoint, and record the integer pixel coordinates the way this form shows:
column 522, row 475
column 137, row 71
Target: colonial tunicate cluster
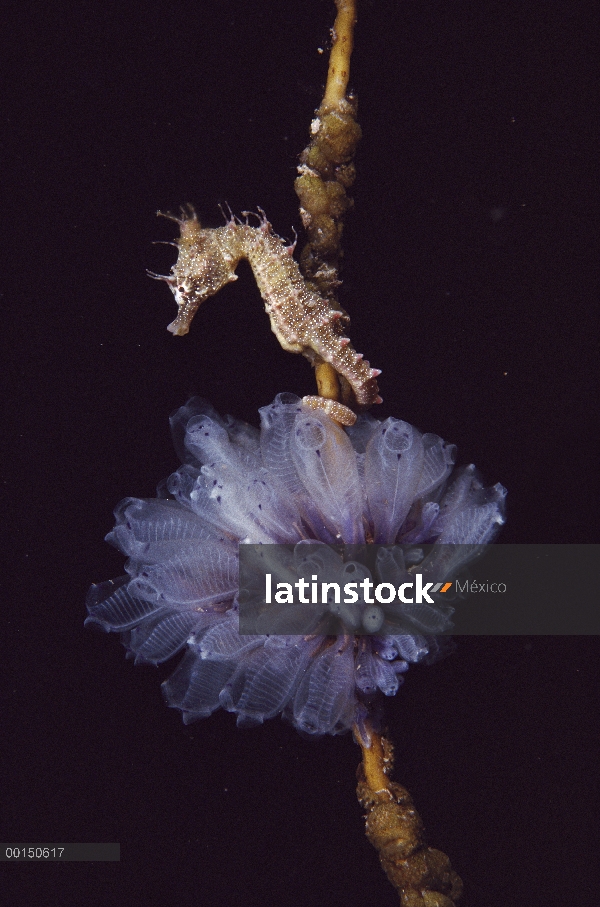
column 301, row 478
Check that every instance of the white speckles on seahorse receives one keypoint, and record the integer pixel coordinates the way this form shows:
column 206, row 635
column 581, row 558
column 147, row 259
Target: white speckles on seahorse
column 302, row 320
column 337, row 411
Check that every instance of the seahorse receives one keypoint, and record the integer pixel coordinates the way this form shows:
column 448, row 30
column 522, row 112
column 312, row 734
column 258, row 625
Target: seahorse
column 302, row 320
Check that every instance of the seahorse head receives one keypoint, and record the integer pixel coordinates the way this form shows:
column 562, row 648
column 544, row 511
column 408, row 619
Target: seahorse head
column 206, row 262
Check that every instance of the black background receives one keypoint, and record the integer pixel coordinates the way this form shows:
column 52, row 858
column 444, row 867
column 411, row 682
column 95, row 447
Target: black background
column 469, row 283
